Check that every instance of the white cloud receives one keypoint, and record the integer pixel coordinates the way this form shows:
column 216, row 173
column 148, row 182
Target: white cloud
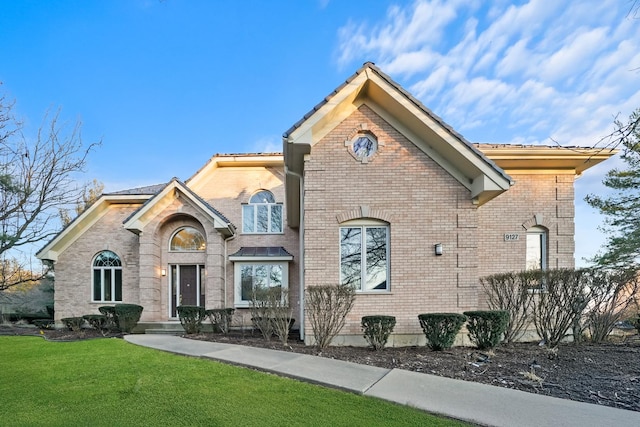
column 268, row 144
column 521, row 73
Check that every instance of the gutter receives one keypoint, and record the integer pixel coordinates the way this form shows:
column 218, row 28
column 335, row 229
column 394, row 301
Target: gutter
column 301, row 249
column 224, row 274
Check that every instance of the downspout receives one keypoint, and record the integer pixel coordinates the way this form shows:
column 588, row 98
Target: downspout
column 224, row 261
column 301, row 248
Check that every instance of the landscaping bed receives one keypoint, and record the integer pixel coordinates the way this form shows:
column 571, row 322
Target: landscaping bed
column 605, row 374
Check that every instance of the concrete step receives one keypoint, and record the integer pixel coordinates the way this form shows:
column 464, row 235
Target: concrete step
column 165, row 331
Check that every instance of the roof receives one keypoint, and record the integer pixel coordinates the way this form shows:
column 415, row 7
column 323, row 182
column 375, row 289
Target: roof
column 370, row 86
column 149, row 189
column 518, row 158
column 139, row 218
column 261, row 252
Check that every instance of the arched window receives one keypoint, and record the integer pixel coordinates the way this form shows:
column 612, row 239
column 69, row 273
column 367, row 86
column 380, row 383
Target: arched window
column 536, row 255
column 187, row 239
column 107, row 277
column 364, row 255
column 262, row 214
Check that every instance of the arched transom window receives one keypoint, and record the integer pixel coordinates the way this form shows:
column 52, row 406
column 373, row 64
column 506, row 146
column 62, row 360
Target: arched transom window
column 187, row 239
column 262, row 214
column 107, row 277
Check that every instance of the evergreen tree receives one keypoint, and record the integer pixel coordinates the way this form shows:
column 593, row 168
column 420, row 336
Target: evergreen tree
column 622, row 208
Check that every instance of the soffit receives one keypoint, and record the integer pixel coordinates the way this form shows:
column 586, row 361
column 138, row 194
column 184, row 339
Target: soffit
column 84, row 222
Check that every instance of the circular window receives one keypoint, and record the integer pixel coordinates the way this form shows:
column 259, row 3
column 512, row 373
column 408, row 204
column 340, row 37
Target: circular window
column 364, row 146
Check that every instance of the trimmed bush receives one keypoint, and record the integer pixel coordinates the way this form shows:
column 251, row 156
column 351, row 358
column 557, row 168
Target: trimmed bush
column 45, row 323
column 220, row 319
column 441, row 329
column 486, row 328
column 110, row 312
column 191, row 317
column 127, row 316
column 377, row 330
column 73, row 323
column 328, row 307
column 97, row 321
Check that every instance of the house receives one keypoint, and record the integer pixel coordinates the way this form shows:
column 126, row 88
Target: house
column 372, row 189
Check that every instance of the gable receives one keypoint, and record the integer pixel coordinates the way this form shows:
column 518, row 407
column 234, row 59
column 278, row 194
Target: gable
column 86, row 220
column 369, row 86
column 176, row 190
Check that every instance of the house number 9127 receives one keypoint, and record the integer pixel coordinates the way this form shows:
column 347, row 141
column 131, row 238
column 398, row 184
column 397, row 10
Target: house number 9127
column 510, row 237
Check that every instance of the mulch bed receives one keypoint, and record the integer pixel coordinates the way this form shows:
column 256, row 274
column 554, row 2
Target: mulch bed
column 604, row 374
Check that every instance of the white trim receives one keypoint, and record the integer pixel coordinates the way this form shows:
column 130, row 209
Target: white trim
column 237, row 279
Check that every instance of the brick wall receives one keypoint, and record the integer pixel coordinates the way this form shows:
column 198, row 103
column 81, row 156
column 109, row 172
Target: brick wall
column 73, row 283
column 423, row 204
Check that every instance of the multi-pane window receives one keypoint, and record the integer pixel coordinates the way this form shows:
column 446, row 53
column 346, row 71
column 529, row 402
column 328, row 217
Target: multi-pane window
column 107, row 277
column 364, row 257
column 250, row 276
column 536, row 253
column 187, row 239
column 262, row 214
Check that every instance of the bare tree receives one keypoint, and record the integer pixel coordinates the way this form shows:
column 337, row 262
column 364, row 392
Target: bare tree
column 37, row 178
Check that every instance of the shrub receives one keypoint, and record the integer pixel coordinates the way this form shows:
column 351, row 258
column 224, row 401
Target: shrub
column 512, row 292
column 44, row 323
column 612, row 294
column 127, row 316
column 441, row 329
column 328, row 307
column 109, row 312
column 97, row 321
column 270, row 312
column 377, row 330
column 220, row 318
column 73, row 323
column 191, row 317
column 486, row 328
column 560, row 304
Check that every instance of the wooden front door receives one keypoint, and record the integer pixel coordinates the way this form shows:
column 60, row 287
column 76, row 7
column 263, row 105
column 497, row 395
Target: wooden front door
column 186, row 286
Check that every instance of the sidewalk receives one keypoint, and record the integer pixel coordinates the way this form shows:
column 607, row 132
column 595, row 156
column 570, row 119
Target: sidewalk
column 463, row 400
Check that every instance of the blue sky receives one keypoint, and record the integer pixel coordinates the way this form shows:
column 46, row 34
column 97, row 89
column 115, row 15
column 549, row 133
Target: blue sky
column 167, row 84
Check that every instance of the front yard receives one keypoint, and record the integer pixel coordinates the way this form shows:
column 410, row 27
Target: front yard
column 110, row 382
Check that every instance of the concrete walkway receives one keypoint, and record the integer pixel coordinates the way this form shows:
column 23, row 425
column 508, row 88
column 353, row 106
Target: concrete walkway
column 463, row 400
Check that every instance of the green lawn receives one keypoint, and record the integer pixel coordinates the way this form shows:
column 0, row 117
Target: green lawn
column 111, row 382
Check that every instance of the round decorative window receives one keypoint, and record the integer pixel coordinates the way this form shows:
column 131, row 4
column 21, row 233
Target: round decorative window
column 364, row 146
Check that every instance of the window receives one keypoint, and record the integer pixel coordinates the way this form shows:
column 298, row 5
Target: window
column 536, row 255
column 107, row 277
column 187, row 239
column 251, row 275
column 262, row 214
column 364, row 257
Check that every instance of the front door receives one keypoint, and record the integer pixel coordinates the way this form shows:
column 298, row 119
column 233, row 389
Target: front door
column 186, row 286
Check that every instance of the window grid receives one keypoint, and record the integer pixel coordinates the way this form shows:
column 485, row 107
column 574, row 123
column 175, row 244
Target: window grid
column 107, row 278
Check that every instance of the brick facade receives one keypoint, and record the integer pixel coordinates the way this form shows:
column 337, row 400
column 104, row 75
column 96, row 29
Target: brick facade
column 425, row 182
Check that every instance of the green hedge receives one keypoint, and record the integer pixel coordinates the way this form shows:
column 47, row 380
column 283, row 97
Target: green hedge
column 73, row 323
column 97, row 321
column 486, row 328
column 220, row 319
column 191, row 317
column 441, row 329
column 377, row 329
column 127, row 316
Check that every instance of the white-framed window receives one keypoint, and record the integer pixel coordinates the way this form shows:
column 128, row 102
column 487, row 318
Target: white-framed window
column 252, row 274
column 364, row 255
column 107, row 278
column 536, row 251
column 187, row 239
column 262, row 215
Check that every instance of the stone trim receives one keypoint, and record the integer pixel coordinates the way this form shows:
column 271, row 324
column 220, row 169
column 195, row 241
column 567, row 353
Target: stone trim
column 364, row 212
